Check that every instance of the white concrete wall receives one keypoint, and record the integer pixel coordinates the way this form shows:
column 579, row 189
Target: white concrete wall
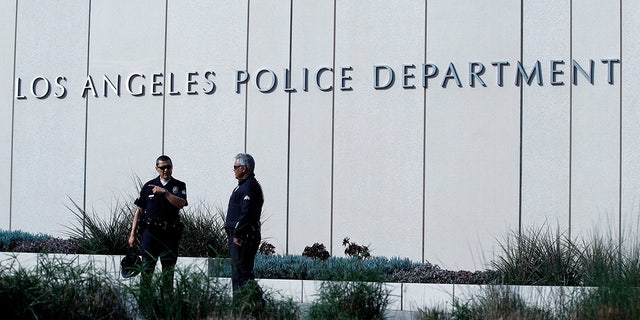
column 7, row 23
column 311, row 135
column 439, row 174
column 472, row 133
column 630, row 119
column 378, row 134
column 546, row 118
column 48, row 134
column 595, row 159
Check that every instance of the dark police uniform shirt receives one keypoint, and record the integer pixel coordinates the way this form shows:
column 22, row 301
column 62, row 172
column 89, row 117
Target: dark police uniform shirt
column 245, row 207
column 157, row 207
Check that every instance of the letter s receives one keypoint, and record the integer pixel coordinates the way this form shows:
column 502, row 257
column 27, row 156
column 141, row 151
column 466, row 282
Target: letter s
column 208, row 76
column 63, row 91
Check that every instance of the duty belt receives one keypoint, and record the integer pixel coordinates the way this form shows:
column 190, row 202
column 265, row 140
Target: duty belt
column 161, row 224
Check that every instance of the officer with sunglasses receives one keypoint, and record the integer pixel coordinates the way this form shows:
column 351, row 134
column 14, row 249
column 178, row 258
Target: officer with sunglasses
column 157, row 222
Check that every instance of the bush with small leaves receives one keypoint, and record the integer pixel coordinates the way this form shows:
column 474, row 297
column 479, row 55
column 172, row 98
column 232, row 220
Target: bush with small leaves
column 317, row 251
column 355, row 250
column 267, row 248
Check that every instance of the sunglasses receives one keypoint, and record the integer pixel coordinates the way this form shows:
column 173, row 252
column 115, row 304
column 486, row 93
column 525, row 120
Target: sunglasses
column 167, row 167
column 236, row 167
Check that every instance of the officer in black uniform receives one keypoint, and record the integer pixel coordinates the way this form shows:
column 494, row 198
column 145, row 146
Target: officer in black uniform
column 243, row 220
column 157, row 220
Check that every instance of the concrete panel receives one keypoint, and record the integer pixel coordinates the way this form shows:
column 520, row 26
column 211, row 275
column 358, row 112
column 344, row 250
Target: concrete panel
column 14, row 261
column 379, row 134
column 426, row 296
column 311, row 290
column 125, row 133
column 473, row 133
column 7, row 37
column 49, row 131
column 311, row 127
column 630, row 119
column 394, row 291
column 546, row 117
column 596, row 121
column 204, row 131
column 467, row 293
column 282, row 289
column 267, row 126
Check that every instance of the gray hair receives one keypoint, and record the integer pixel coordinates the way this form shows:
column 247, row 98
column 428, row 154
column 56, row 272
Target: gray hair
column 246, row 159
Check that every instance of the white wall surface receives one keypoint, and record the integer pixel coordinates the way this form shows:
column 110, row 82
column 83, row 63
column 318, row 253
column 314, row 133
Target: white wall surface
column 267, row 130
column 48, row 134
column 630, row 118
column 203, row 132
column 7, row 23
column 473, row 141
column 439, row 174
column 379, row 134
column 595, row 172
column 311, row 135
column 124, row 134
column 546, row 122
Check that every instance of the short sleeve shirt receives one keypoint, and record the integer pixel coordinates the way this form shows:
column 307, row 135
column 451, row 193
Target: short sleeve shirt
column 157, row 206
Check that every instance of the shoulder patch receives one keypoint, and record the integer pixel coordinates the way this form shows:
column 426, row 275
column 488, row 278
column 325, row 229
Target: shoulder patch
column 246, row 198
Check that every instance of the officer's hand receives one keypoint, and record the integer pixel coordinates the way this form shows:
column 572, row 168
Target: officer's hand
column 237, row 242
column 132, row 240
column 157, row 189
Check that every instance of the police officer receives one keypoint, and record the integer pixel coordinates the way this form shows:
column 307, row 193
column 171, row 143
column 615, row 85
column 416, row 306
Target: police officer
column 243, row 220
column 157, row 220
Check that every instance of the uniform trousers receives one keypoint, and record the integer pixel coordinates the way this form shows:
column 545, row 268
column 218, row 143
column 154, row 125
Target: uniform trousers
column 242, row 259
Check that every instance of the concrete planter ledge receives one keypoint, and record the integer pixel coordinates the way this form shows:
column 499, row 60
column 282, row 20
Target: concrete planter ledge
column 403, row 296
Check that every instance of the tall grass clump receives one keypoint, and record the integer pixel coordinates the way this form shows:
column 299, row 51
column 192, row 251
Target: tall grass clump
column 499, row 302
column 194, row 296
column 612, row 270
column 607, row 268
column 350, row 300
column 204, row 234
column 58, row 289
column 103, row 236
column 538, row 256
column 493, row 302
column 253, row 302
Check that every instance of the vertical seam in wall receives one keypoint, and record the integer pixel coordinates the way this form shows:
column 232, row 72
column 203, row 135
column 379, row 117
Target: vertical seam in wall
column 570, row 108
column 333, row 122
column 289, row 129
column 164, row 70
column 424, row 145
column 621, row 142
column 246, row 67
column 86, row 125
column 13, row 114
column 521, row 120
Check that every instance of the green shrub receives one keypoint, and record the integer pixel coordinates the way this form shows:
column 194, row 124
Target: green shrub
column 539, row 257
column 499, row 302
column 10, row 239
column 282, row 267
column 98, row 236
column 204, row 234
column 59, row 289
column 605, row 302
column 345, row 269
column 195, row 296
column 350, row 300
column 348, row 269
